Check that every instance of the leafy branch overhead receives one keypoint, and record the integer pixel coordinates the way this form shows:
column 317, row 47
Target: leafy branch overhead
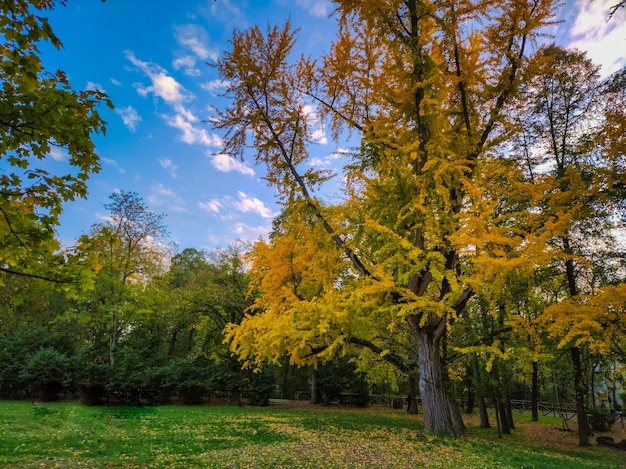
column 40, row 116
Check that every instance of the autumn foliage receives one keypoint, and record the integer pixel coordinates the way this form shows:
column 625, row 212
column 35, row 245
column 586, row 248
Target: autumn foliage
column 481, row 158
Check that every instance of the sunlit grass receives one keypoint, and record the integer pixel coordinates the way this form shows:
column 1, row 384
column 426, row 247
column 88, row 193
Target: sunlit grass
column 71, row 435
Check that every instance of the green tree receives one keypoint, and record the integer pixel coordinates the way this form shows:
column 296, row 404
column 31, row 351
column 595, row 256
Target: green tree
column 131, row 252
column 39, row 114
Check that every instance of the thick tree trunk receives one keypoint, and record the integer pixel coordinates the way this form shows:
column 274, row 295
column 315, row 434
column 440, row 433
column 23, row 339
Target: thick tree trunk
column 534, row 397
column 581, row 407
column 437, row 412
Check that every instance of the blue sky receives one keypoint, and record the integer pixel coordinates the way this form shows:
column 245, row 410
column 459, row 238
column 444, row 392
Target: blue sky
column 150, row 57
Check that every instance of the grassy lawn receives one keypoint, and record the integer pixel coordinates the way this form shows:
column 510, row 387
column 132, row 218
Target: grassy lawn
column 69, row 435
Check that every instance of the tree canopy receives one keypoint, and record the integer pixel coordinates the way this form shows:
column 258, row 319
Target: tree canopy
column 40, row 116
column 438, row 210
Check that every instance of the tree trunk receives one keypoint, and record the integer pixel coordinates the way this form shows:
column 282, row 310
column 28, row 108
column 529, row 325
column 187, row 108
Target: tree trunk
column 113, row 336
column 432, row 386
column 504, row 420
column 498, row 419
column 316, row 398
column 534, row 397
column 509, row 410
column 413, row 407
column 457, row 419
column 480, row 394
column 581, row 407
column 471, row 391
column 593, row 387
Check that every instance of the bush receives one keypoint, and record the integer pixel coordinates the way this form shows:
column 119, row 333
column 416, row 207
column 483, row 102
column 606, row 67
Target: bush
column 47, row 371
column 262, row 386
column 601, row 420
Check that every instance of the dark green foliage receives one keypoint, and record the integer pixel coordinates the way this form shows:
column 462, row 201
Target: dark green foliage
column 190, row 379
column 601, row 419
column 49, row 370
column 35, row 364
column 262, row 387
column 338, row 378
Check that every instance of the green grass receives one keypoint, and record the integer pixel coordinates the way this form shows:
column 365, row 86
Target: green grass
column 69, row 435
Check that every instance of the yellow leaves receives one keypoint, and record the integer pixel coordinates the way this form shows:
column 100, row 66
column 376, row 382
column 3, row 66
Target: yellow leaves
column 593, row 320
column 489, row 352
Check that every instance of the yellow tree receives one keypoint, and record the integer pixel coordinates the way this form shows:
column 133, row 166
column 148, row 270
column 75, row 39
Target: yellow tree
column 423, row 84
column 574, row 167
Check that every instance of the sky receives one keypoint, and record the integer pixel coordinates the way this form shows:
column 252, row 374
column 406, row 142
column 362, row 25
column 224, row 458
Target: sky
column 153, row 58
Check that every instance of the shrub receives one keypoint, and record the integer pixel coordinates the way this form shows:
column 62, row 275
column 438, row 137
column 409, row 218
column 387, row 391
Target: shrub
column 601, row 420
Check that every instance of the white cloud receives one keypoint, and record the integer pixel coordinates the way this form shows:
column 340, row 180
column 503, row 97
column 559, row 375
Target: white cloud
column 167, row 164
column 177, row 208
column 57, row 154
column 188, row 64
column 161, row 195
column 318, row 135
column 129, row 116
column 212, row 206
column 158, row 193
column 174, row 94
column 226, row 164
column 247, row 232
column 113, row 163
column 193, row 72
column 91, row 86
column 318, row 8
column 252, row 204
column 319, row 162
column 228, row 13
column 190, row 133
column 196, row 39
column 163, row 85
column 214, row 87
column 184, row 62
column 115, row 82
column 604, row 41
column 329, row 159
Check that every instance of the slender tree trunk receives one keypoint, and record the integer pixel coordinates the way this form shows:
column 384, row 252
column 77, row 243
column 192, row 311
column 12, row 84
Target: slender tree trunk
column 498, row 419
column 413, row 407
column 534, row 398
column 579, row 385
column 579, row 389
column 315, row 397
column 500, row 405
column 113, row 342
column 593, row 387
column 509, row 410
column 468, row 381
column 504, row 419
column 437, row 412
column 480, row 394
